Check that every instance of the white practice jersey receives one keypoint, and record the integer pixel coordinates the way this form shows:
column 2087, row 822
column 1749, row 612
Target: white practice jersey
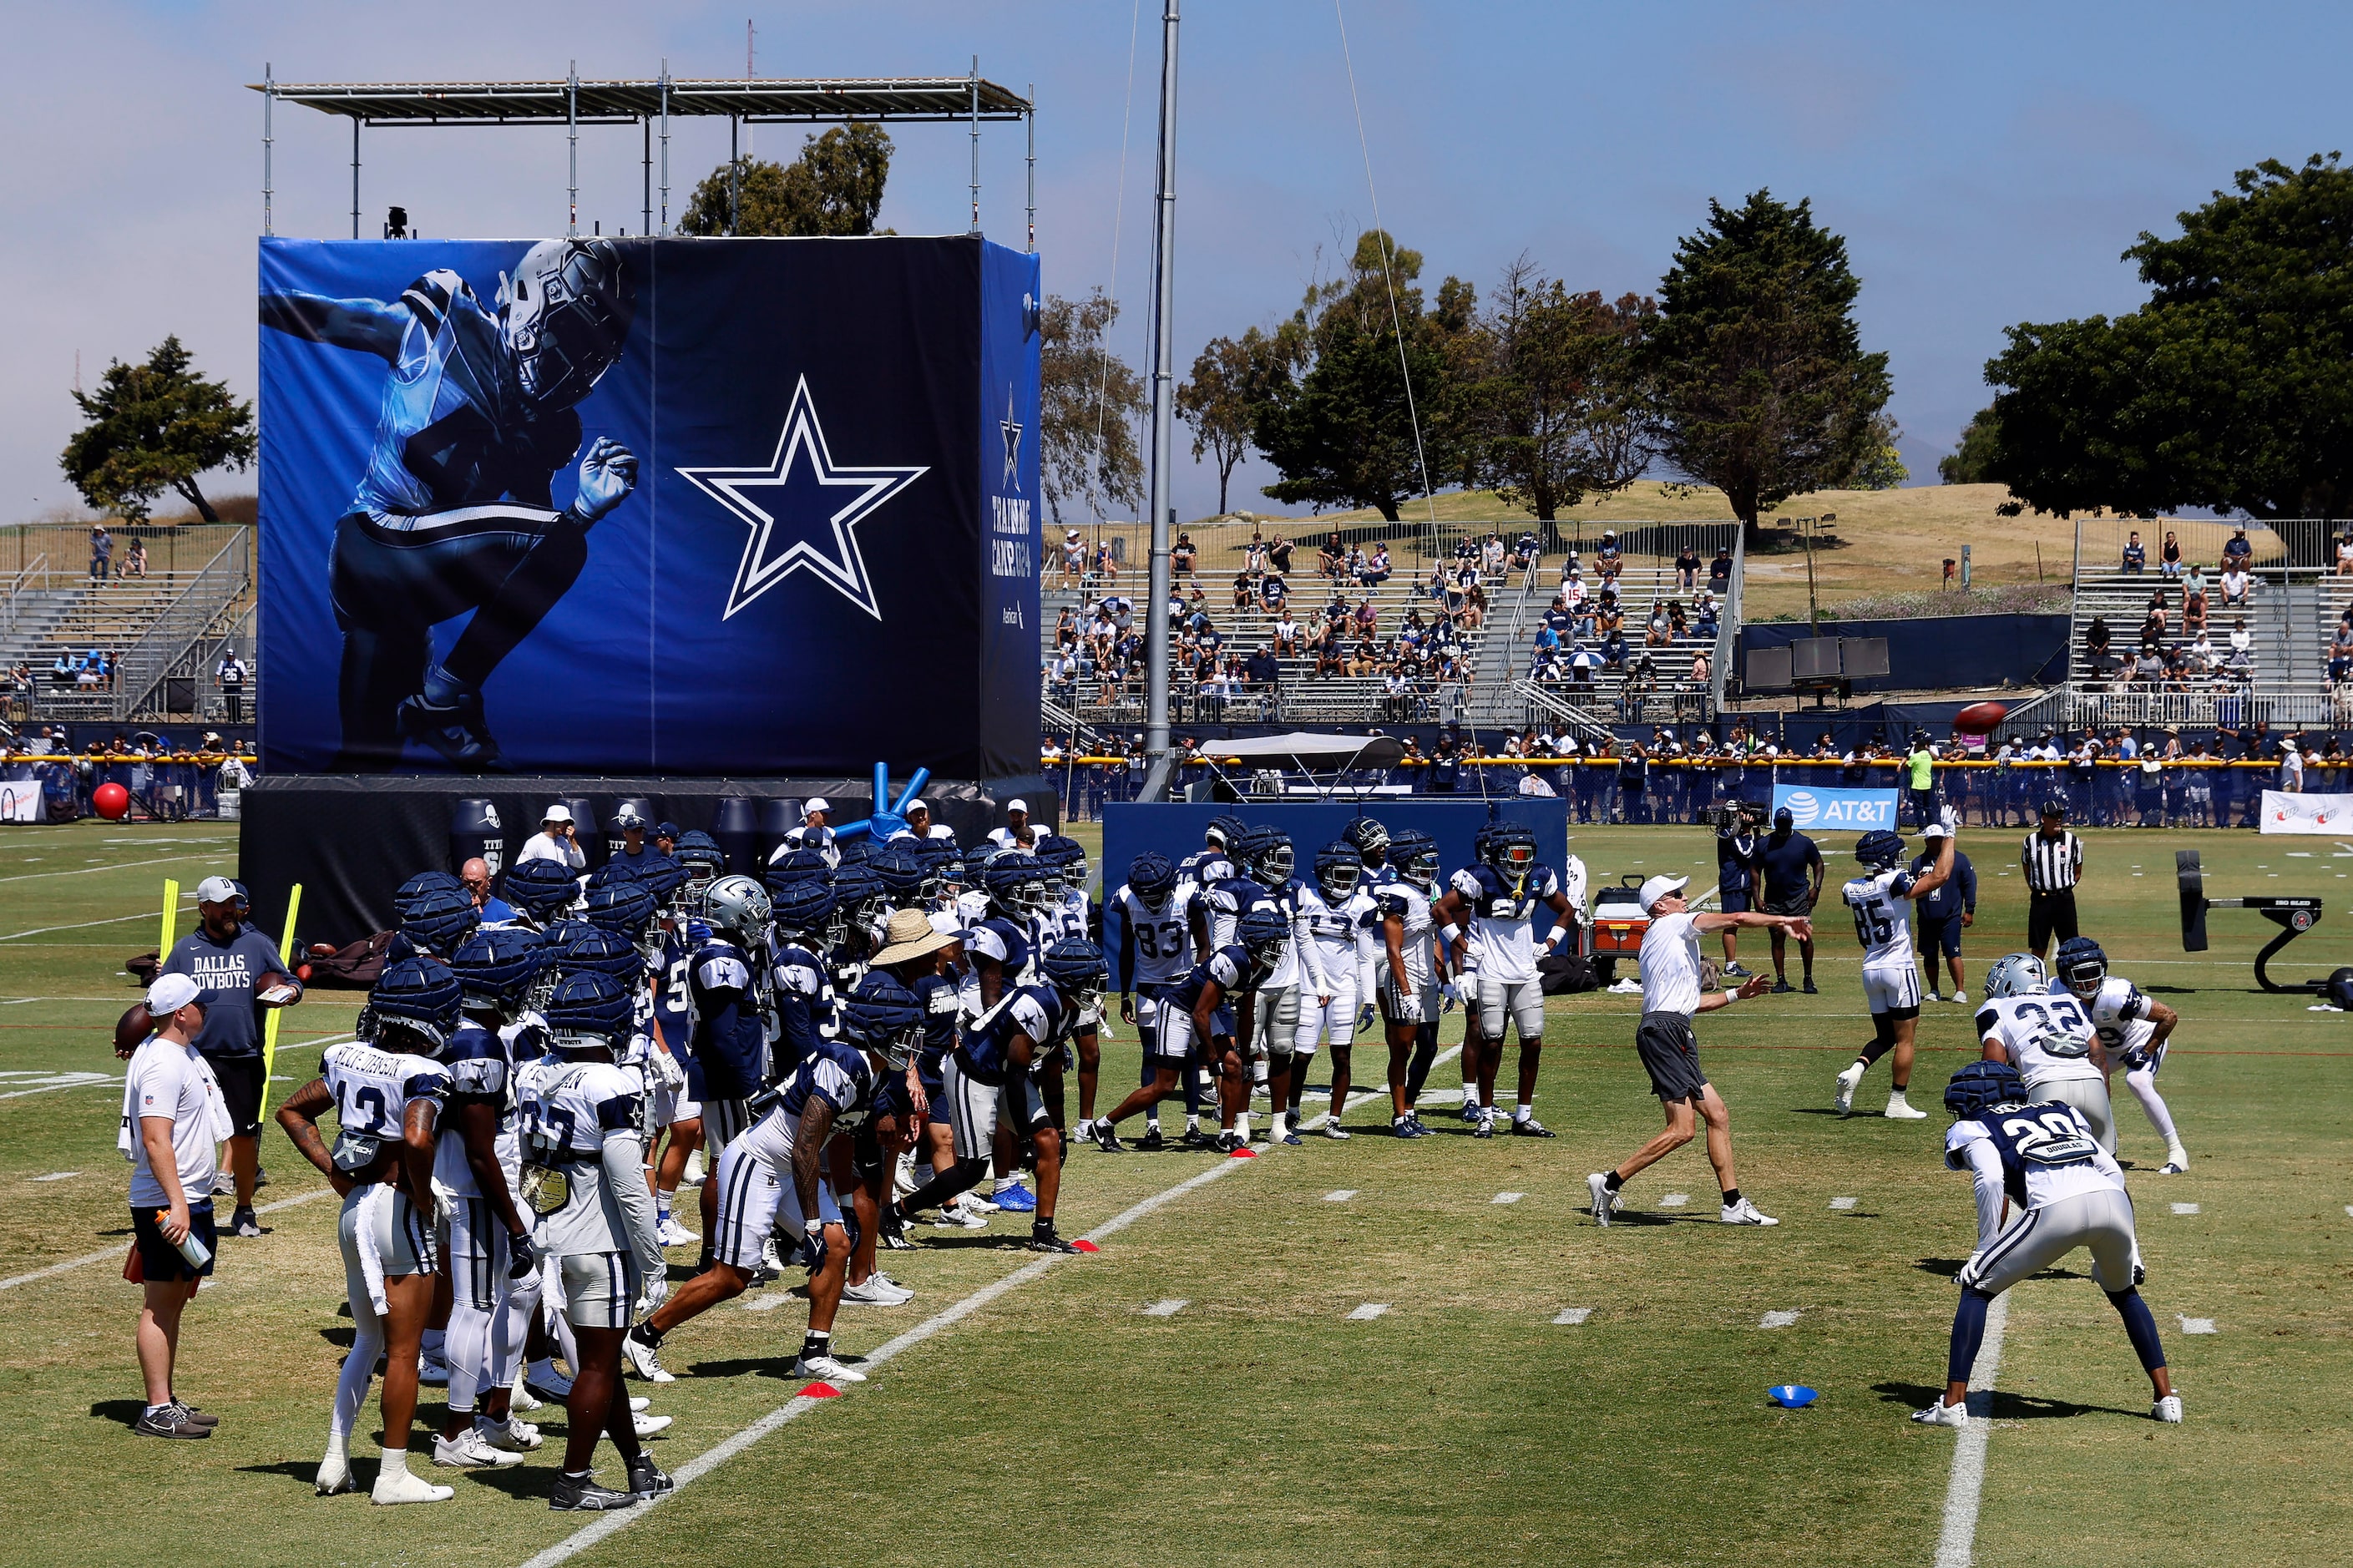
column 1346, row 939
column 2037, row 1153
column 1159, row 942
column 2120, row 1017
column 1503, row 914
column 1411, row 905
column 373, row 1087
column 1300, row 965
column 566, row 1110
column 1881, row 923
column 1065, row 917
column 2049, row 1038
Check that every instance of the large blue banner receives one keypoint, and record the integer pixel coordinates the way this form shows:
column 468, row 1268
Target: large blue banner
column 1814, row 810
column 674, row 506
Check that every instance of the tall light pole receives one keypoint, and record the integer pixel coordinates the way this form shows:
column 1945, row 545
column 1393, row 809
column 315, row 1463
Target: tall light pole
column 1163, row 421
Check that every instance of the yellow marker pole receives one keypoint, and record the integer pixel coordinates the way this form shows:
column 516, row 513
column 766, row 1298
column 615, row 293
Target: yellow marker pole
column 269, row 1024
column 171, row 919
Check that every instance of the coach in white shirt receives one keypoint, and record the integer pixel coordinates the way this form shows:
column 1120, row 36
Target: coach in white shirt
column 556, row 840
column 1015, row 834
column 172, row 1118
column 1669, row 1051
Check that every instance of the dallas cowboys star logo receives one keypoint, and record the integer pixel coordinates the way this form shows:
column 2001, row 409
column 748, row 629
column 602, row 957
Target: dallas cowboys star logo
column 1012, row 443
column 807, row 511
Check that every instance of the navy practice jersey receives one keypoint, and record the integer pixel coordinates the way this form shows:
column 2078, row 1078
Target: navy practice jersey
column 803, row 996
column 1227, row 903
column 1229, row 966
column 835, row 1073
column 731, row 1040
column 936, row 995
column 984, row 1050
column 454, row 428
column 2047, row 1151
column 673, row 1010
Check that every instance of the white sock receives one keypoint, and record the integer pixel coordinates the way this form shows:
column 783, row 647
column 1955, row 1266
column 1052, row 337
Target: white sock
column 1241, row 1126
column 1192, row 1122
column 1523, row 1110
column 396, row 1463
column 2143, row 1083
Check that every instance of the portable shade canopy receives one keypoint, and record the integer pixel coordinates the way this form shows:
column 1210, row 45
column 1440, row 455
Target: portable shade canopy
column 1307, row 749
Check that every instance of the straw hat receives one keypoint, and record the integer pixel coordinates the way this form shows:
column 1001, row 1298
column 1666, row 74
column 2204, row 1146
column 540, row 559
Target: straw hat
column 911, row 936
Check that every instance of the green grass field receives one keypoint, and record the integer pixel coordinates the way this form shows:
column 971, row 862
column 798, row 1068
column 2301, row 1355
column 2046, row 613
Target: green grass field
column 1059, row 1422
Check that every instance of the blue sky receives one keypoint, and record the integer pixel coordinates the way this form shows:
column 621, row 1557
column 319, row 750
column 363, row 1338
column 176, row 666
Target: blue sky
column 1987, row 164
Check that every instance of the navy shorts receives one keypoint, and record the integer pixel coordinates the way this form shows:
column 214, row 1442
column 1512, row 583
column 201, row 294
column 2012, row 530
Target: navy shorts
column 1735, row 901
column 1941, row 936
column 158, row 1259
column 240, row 1080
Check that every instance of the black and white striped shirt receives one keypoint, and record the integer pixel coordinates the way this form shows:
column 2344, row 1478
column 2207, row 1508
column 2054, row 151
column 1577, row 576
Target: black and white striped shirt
column 2052, row 865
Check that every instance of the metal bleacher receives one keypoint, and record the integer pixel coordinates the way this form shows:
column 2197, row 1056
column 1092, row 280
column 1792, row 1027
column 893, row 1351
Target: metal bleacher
column 163, row 631
column 2292, row 610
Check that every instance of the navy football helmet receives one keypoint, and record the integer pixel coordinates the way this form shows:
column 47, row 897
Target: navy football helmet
column 625, row 908
column 438, row 922
column 498, row 967
column 611, row 871
column 1509, row 848
column 1016, row 885
column 798, row 865
column 418, row 886
column 1339, row 867
column 590, row 1008
column 1075, row 967
column 902, row 874
column 1226, row 832
column 1152, row 879
column 414, row 1006
column 1271, row 857
column 802, row 910
column 883, row 1016
column 1979, row 1087
column 1369, row 838
column 664, row 877
column 542, row 888
column 2082, row 965
column 595, row 951
column 1879, row 849
column 1414, row 854
column 704, row 862
column 1263, row 934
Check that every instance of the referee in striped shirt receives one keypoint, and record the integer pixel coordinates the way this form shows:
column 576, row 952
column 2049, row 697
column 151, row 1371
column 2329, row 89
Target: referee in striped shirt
column 2052, row 859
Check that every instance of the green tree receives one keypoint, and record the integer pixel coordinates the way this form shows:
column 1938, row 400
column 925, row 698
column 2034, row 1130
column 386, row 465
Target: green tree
column 1338, row 419
column 1881, row 467
column 834, row 187
column 1091, row 404
column 1971, row 462
column 1221, row 400
column 153, row 427
column 1766, row 389
column 1569, row 408
column 2231, row 388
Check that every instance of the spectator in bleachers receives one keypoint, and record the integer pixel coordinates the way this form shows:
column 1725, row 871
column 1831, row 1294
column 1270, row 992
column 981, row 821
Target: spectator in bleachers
column 1608, row 561
column 1703, row 670
column 1368, row 619
column 2135, row 555
column 1527, row 554
column 1491, row 554
column 2238, row 551
column 2193, row 610
column 2095, row 636
column 2169, row 558
column 1331, row 556
column 1254, row 553
column 1377, row 567
column 1074, row 558
column 1106, row 567
column 2341, row 655
column 1658, row 631
column 1245, row 592
column 1277, row 554
column 1548, row 645
column 1613, row 650
column 2243, row 643
column 1286, row 635
column 1719, row 571
column 102, row 554
column 2345, row 556
column 1687, row 569
column 134, row 563
column 1706, row 625
column 1610, row 620
column 1676, row 626
column 1181, row 556
column 2237, row 584
column 2152, row 626
column 1273, row 591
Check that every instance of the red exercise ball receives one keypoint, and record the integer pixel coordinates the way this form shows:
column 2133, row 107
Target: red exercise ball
column 113, row 801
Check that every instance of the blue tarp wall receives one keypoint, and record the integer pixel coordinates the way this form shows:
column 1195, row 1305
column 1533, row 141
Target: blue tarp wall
column 1940, row 652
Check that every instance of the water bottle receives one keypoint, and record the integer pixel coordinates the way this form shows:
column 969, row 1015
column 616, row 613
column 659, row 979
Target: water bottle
column 195, row 1252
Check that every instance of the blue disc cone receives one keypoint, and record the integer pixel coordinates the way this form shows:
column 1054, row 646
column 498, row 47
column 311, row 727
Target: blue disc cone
column 1792, row 1396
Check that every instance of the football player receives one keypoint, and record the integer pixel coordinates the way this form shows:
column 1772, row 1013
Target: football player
column 727, row 996
column 544, row 890
column 1197, row 1017
column 1891, row 974
column 1003, row 949
column 1495, row 902
column 2048, row 1037
column 1340, row 916
column 1371, row 842
column 1215, row 915
column 1297, row 981
column 771, row 1178
column 2133, row 1029
column 992, row 1077
column 485, row 1239
column 388, row 1093
column 1068, row 914
column 1155, row 955
column 2040, row 1157
column 456, row 509
column 801, row 992
column 1408, row 983
column 677, row 1111
column 582, row 1122
column 1213, row 862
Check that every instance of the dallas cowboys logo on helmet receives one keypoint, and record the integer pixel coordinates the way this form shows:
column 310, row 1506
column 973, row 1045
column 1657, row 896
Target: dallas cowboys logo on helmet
column 1339, row 867
column 565, row 312
column 542, row 888
column 2083, row 965
column 738, row 905
column 1979, row 1087
column 498, row 965
column 415, row 1005
column 2017, row 975
column 438, row 922
column 1151, row 877
column 589, row 1008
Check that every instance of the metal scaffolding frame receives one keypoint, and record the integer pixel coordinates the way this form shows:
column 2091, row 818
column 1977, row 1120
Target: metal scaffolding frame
column 573, row 102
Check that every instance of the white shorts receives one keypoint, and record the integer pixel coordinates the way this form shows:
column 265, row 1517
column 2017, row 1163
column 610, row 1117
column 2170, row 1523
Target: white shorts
column 1417, row 1002
column 382, row 1238
column 600, row 1289
column 1886, row 990
column 756, row 1200
column 1334, row 1020
column 1275, row 1018
column 475, row 1244
column 2088, row 1095
column 976, row 1108
column 723, row 1122
column 671, row 1106
column 2101, row 1220
column 1172, row 1032
column 1520, row 1001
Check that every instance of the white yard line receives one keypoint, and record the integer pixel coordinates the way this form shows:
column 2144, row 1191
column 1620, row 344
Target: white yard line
column 120, row 866
column 117, row 1250
column 85, row 925
column 2198, row 1326
column 1507, row 1197
column 1367, row 1311
column 792, row 1409
column 1673, row 1200
column 1167, row 1309
column 1342, row 1194
column 1958, row 1543
column 1575, row 1315
column 1776, row 1320
column 92, row 1081
column 1841, row 1202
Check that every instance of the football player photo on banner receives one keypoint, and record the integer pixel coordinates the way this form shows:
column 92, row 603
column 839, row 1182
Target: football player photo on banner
column 649, row 506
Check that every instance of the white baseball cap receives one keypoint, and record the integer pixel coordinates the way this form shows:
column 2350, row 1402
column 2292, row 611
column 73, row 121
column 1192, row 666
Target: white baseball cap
column 216, row 891
column 557, row 814
column 817, row 802
column 170, row 993
column 1658, row 888
column 1013, row 806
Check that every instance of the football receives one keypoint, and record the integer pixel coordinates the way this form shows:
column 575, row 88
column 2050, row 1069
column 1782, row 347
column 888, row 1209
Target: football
column 1980, row 718
column 134, row 1027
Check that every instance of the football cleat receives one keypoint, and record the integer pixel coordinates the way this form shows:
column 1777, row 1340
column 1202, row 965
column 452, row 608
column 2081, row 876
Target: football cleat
column 1960, row 997
column 547, row 1382
column 1842, row 1101
column 334, row 1474
column 1472, row 1109
column 514, row 1435
column 1736, row 971
column 243, row 1223
column 432, row 1368
column 1045, row 1240
column 1902, row 1110
column 1196, row 1139
column 670, row 1233
column 1291, row 1136
column 644, row 1359
column 876, row 1291
column 1332, row 1129
column 826, row 1368
column 584, row 1496
column 647, row 1426
column 1529, row 1127
column 1106, row 1138
column 454, row 729
column 960, row 1215
column 1943, row 1414
column 392, row 1489
column 1015, row 1198
column 469, row 1450
column 1811, row 989
column 1745, row 1213
column 2168, row 1410
column 1229, row 1142
column 1605, row 1202
column 977, row 1203
column 1152, row 1142
column 1485, row 1128
column 523, row 1400
column 1781, row 986
column 1936, row 995
column 646, row 1478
